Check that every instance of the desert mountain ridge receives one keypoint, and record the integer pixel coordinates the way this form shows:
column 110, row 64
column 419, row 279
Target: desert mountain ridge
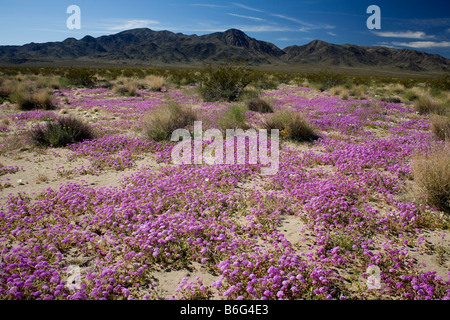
column 146, row 47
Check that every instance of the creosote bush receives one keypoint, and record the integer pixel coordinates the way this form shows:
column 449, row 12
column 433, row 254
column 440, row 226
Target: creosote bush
column 80, row 77
column 160, row 124
column 292, row 126
column 61, row 132
column 225, row 82
column 432, row 177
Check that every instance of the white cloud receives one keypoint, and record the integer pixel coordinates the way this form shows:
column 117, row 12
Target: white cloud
column 246, row 17
column 331, row 34
column 423, row 44
column 133, row 24
column 404, row 34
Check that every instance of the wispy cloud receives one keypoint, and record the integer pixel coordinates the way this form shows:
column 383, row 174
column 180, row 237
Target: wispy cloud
column 133, row 24
column 247, row 7
column 246, row 17
column 403, row 34
column 432, row 22
column 423, row 44
column 306, row 25
column 292, row 19
column 208, row 5
column 331, row 33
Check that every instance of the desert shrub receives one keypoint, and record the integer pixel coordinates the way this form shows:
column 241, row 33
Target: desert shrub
column 126, row 88
column 80, row 77
column 225, row 82
column 266, row 85
column 442, row 83
column 160, row 124
column 326, row 80
column 425, row 105
column 358, row 91
column 29, row 101
column 47, row 82
column 440, row 126
column 292, row 126
column 234, row 117
column 155, row 82
column 5, row 89
column 344, row 95
column 260, row 105
column 250, row 92
column 391, row 99
column 396, row 88
column 435, row 92
column 432, row 178
column 61, row 132
column 410, row 95
column 335, row 91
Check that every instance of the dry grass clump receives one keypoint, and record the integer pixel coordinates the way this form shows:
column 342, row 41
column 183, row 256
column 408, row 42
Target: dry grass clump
column 28, row 100
column 160, row 124
column 396, row 88
column 154, row 82
column 335, row 91
column 12, row 142
column 292, row 126
column 440, row 126
column 426, row 105
column 358, row 91
column 48, row 82
column 126, row 87
column 344, row 95
column 432, row 178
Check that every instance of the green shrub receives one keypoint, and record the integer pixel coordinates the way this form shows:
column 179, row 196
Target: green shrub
column 225, row 82
column 80, row 77
column 410, row 95
column 292, row 126
column 234, row 117
column 61, row 132
column 260, row 105
column 160, row 124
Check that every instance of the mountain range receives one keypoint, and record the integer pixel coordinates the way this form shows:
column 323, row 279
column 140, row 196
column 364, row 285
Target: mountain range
column 145, row 47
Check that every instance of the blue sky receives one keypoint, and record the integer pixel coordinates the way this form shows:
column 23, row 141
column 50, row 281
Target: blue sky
column 420, row 25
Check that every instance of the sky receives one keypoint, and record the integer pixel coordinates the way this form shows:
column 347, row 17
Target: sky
column 420, row 25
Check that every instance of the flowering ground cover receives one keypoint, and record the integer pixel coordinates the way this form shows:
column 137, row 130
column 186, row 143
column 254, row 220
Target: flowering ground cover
column 136, row 226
